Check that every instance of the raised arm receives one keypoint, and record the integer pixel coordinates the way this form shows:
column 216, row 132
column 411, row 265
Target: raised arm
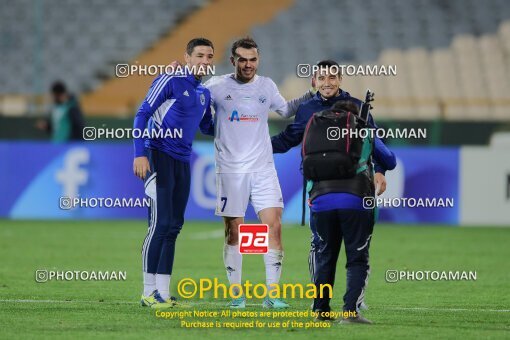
column 284, row 108
column 292, row 135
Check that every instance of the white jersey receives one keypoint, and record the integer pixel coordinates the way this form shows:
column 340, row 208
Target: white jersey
column 241, row 133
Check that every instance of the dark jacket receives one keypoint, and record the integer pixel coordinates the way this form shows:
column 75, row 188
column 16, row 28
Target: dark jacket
column 292, row 136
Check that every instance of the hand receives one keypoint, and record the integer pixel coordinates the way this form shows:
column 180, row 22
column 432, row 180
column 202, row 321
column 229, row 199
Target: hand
column 175, row 64
column 141, row 166
column 380, row 181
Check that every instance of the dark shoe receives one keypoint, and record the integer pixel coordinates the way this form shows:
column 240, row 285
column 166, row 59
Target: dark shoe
column 323, row 316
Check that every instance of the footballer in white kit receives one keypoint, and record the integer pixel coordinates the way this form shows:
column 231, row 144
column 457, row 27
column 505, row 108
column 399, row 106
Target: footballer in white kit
column 243, row 151
column 245, row 170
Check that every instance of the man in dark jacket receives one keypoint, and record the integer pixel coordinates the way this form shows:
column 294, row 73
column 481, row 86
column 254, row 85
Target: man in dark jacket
column 337, row 211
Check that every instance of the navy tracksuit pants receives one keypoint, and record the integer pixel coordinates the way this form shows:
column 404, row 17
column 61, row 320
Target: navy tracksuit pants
column 329, row 229
column 168, row 186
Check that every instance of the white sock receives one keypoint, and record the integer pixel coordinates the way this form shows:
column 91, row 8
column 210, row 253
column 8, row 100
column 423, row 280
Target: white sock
column 163, row 285
column 149, row 283
column 273, row 261
column 233, row 261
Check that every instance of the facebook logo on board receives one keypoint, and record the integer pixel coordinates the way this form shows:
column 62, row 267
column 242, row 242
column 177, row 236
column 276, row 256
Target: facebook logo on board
column 71, row 176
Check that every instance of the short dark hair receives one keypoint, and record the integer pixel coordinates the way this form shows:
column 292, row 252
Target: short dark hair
column 246, row 42
column 58, row 87
column 345, row 105
column 328, row 63
column 198, row 42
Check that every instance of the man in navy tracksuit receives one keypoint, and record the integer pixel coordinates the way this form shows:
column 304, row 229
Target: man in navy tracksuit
column 174, row 107
column 337, row 206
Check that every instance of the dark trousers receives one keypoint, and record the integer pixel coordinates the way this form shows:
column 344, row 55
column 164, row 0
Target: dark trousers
column 171, row 179
column 329, row 228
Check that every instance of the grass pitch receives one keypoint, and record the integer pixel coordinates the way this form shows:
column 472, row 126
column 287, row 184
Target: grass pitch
column 109, row 309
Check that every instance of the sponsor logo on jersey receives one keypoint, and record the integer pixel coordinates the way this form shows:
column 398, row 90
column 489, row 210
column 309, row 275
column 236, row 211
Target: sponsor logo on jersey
column 234, row 115
column 249, row 118
column 243, row 117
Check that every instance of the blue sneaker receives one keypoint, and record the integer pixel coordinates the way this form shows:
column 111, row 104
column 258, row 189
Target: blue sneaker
column 274, row 303
column 155, row 301
column 238, row 303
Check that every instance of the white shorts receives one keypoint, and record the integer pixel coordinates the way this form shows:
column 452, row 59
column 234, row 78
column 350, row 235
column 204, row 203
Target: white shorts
column 235, row 190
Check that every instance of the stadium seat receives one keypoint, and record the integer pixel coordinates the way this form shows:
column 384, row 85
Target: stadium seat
column 74, row 32
column 438, row 47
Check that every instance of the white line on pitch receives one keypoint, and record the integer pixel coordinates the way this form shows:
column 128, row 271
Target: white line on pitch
column 444, row 309
column 68, row 301
column 254, row 304
column 206, row 235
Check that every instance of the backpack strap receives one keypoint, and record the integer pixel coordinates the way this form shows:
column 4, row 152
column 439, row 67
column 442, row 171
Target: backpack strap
column 305, row 133
column 303, row 210
column 362, row 166
column 366, row 152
